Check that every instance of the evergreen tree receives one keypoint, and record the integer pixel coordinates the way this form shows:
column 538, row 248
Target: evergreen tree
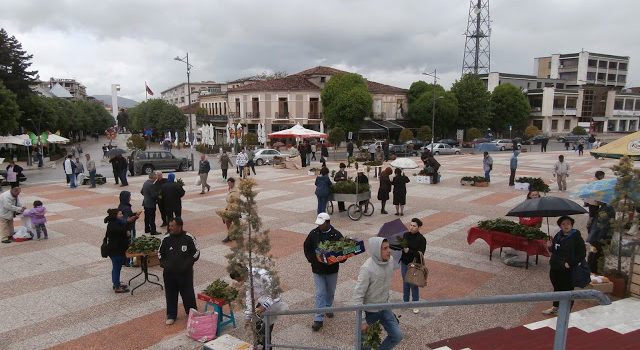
column 9, row 111
column 14, row 66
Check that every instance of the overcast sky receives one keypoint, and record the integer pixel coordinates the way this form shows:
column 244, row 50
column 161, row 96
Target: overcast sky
column 129, row 42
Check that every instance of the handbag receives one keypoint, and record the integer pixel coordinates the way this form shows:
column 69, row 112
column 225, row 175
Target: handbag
column 417, row 272
column 581, row 274
column 104, row 248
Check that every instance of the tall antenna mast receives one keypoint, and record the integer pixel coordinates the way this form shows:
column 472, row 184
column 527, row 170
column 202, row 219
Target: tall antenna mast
column 477, row 58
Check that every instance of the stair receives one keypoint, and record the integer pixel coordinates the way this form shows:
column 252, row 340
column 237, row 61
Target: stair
column 614, row 326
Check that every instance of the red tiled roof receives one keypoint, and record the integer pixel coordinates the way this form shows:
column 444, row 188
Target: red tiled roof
column 321, row 70
column 377, row 87
column 291, row 82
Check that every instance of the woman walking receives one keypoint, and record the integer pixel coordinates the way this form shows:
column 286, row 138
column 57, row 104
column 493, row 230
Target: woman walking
column 323, row 190
column 385, row 188
column 567, row 251
column 416, row 244
column 399, row 191
column 117, row 244
column 225, row 162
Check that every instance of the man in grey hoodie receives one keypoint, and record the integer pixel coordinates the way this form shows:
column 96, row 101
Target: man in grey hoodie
column 372, row 287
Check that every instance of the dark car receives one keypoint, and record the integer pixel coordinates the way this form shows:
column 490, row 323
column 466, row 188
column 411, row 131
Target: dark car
column 450, row 142
column 571, row 137
column 144, row 162
column 475, row 141
column 398, row 150
column 535, row 140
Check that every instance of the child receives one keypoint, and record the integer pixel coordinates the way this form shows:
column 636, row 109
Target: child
column 38, row 219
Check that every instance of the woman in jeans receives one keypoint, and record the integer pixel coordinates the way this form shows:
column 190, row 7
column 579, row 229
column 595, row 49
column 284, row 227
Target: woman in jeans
column 416, row 244
column 117, row 244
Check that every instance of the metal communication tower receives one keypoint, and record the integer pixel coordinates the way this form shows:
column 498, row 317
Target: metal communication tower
column 477, row 58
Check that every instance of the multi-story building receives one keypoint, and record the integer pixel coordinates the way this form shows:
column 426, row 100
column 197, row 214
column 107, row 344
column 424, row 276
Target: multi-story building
column 568, row 89
column 76, row 90
column 178, row 95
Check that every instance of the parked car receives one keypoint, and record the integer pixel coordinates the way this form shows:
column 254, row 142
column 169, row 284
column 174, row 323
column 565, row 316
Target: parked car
column 505, row 144
column 450, row 142
column 398, row 150
column 144, row 162
column 475, row 141
column 442, row 148
column 365, row 146
column 417, row 144
column 570, row 137
column 535, row 140
column 265, row 156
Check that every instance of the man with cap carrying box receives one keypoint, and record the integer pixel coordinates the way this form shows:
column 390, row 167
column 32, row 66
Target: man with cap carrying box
column 325, row 277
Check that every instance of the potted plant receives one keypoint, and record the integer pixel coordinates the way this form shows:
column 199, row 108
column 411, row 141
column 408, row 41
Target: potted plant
column 480, row 181
column 466, row 181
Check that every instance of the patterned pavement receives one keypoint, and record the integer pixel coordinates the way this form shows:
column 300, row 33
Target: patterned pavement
column 57, row 293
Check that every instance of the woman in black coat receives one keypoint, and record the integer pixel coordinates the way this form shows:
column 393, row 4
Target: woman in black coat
column 385, row 188
column 416, row 244
column 399, row 191
column 117, row 244
column 567, row 251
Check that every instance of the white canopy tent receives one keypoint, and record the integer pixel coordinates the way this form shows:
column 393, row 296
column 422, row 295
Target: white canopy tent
column 297, row 131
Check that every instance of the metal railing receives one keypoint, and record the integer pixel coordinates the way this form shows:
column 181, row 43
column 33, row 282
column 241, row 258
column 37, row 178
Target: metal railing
column 562, row 324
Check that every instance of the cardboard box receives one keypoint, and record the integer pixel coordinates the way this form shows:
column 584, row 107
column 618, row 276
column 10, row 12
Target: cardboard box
column 421, row 179
column 606, row 287
column 329, row 258
column 522, row 186
column 227, row 342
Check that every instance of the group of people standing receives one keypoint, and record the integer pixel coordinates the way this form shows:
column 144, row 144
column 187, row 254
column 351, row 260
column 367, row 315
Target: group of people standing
column 307, row 151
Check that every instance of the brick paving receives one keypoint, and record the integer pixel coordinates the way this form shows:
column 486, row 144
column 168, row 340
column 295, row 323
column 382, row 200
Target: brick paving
column 57, row 293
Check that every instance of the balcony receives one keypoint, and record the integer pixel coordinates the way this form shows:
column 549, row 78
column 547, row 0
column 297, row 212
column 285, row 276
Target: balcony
column 252, row 115
column 315, row 115
column 625, row 113
column 281, row 115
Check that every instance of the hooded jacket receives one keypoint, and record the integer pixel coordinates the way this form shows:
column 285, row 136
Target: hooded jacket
column 125, row 208
column 513, row 164
column 172, row 193
column 117, row 240
column 37, row 215
column 566, row 249
column 375, row 276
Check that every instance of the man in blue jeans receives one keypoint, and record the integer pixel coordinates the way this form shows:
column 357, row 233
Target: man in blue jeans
column 91, row 167
column 372, row 287
column 325, row 276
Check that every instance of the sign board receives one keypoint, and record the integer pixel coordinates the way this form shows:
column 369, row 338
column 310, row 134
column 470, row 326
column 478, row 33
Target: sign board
column 510, row 127
column 350, row 137
column 460, row 134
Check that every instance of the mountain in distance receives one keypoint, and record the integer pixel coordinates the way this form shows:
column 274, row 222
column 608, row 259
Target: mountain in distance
column 122, row 101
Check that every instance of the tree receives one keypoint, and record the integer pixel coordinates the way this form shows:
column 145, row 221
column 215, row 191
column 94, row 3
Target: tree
column 14, row 66
column 473, row 102
column 252, row 243
column 473, row 133
column 578, row 130
column 249, row 139
column 416, row 89
column 421, row 112
column 336, row 135
column 424, row 133
column 346, row 101
column 201, row 111
column 9, row 111
column 509, row 107
column 157, row 114
column 531, row 131
column 405, row 135
column 136, row 143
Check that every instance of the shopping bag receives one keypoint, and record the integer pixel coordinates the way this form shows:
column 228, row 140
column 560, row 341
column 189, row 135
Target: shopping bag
column 202, row 326
column 198, row 181
column 581, row 274
column 417, row 273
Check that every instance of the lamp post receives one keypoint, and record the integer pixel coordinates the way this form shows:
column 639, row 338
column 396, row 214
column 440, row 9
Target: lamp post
column 192, row 139
column 433, row 109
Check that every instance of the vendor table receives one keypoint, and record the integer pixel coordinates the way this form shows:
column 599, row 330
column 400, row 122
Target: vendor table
column 144, row 266
column 497, row 239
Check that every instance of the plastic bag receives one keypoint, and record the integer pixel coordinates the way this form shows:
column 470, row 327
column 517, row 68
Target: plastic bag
column 22, row 234
column 202, row 326
column 197, row 183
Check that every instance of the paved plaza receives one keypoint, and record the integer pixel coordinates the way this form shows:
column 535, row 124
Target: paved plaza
column 57, row 292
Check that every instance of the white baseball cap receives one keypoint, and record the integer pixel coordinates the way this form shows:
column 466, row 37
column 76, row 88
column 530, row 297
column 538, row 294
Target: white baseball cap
column 322, row 217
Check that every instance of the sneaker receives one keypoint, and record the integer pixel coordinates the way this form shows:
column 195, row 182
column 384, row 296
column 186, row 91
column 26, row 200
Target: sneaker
column 329, row 314
column 120, row 289
column 169, row 321
column 316, row 325
column 550, row 311
column 415, row 311
column 226, row 240
column 208, row 188
column 202, row 192
column 122, row 285
column 6, row 241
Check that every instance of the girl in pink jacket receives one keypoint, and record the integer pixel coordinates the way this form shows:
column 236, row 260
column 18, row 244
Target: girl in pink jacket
column 38, row 219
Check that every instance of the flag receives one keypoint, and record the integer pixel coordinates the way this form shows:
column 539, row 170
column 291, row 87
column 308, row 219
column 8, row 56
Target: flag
column 148, row 90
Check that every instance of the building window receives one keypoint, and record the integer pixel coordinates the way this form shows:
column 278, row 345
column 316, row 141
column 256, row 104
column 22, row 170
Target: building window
column 255, row 107
column 539, row 85
column 593, row 63
column 323, row 79
column 572, row 102
column 601, row 76
column 554, row 124
column 613, row 65
column 548, row 84
column 602, row 64
column 591, row 76
column 618, row 104
column 558, row 103
column 283, row 107
column 628, row 104
column 560, row 86
column 637, row 107
column 622, row 78
column 567, row 124
column 237, row 107
column 314, row 111
column 611, row 77
column 622, row 66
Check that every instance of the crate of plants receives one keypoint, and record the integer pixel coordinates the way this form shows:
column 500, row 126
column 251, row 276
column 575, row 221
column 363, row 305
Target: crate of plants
column 372, row 163
column 346, row 191
column 534, row 184
column 219, row 293
column 466, row 181
column 512, row 228
column 331, row 252
column 144, row 245
column 424, row 177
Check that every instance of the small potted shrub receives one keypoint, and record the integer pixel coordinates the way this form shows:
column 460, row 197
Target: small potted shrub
column 480, row 181
column 466, row 181
column 535, row 184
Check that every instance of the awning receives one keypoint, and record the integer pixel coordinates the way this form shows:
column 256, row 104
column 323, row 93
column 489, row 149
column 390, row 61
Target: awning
column 598, row 119
column 369, row 127
column 388, row 124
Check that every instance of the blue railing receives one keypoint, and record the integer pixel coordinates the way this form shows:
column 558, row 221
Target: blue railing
column 562, row 324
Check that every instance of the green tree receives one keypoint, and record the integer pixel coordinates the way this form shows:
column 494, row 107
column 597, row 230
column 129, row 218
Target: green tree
column 531, row 131
column 473, row 102
column 336, row 136
column 158, row 115
column 509, row 106
column 473, row 133
column 625, row 201
column 201, row 111
column 420, row 112
column 416, row 89
column 249, row 139
column 9, row 111
column 252, row 248
column 136, row 143
column 424, row 133
column 578, row 130
column 14, row 66
column 405, row 135
column 346, row 101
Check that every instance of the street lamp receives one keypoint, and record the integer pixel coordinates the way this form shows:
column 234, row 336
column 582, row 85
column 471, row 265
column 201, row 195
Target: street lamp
column 433, row 109
column 186, row 60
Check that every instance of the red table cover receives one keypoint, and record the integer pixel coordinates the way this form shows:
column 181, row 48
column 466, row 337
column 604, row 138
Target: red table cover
column 497, row 239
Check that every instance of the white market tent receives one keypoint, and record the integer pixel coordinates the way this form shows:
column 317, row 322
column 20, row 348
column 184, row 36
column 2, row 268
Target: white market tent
column 297, row 131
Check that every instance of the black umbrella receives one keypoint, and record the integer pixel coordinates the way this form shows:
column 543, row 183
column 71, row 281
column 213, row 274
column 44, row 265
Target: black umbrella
column 115, row 151
column 390, row 230
column 546, row 207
